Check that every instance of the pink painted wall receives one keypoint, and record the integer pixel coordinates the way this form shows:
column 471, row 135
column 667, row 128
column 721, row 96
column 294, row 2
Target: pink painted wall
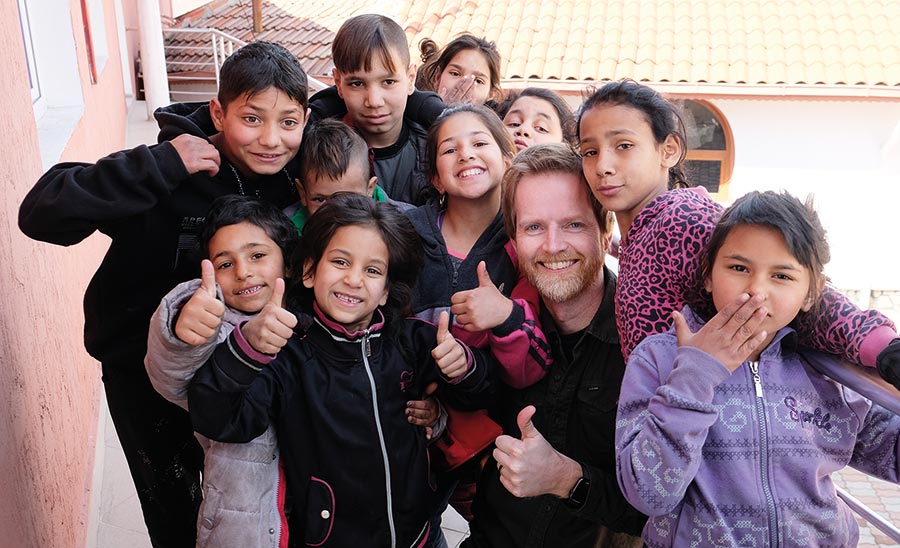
column 49, row 387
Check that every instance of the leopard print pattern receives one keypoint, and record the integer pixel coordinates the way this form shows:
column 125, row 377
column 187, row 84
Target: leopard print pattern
column 659, row 272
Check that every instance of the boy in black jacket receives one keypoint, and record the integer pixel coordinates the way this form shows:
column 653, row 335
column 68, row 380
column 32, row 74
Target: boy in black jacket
column 151, row 201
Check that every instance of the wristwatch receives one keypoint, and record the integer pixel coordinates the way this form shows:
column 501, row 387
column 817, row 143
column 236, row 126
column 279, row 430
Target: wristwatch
column 579, row 493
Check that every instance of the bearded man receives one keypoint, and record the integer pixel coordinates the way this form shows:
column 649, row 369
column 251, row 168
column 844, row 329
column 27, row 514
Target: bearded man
column 551, row 480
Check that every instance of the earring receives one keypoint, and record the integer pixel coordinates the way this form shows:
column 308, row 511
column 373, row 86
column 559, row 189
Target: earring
column 442, row 201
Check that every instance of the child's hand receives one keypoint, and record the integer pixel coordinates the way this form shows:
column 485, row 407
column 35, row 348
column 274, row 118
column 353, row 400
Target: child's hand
column 449, row 354
column 197, row 154
column 461, row 92
column 201, row 316
column 270, row 330
column 732, row 335
column 483, row 307
column 424, row 412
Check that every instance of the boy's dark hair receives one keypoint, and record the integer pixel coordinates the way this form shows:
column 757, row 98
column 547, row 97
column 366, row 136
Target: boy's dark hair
column 363, row 36
column 796, row 221
column 662, row 115
column 329, row 148
column 560, row 106
column 435, row 60
column 233, row 209
column 258, row 66
column 405, row 255
column 487, row 116
column 541, row 159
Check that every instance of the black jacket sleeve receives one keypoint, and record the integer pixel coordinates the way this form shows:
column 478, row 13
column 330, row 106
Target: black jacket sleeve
column 72, row 200
column 606, row 505
column 232, row 397
column 476, row 388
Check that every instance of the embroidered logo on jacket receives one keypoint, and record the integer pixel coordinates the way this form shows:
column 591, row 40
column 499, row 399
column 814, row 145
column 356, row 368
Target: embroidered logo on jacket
column 817, row 418
column 406, row 380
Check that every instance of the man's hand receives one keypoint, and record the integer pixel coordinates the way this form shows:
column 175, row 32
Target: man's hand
column 197, row 154
column 732, row 335
column 531, row 466
column 269, row 331
column 483, row 307
column 201, row 316
column 449, row 354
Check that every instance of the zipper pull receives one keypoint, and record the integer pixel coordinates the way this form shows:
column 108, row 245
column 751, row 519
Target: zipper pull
column 367, row 343
column 754, row 370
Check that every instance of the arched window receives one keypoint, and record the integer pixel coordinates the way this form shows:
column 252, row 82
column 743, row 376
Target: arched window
column 710, row 158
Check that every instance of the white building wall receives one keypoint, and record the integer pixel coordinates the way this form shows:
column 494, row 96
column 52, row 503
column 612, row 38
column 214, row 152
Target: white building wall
column 844, row 153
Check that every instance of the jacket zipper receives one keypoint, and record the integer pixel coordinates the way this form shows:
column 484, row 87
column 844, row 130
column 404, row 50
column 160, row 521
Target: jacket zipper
column 759, row 404
column 366, row 352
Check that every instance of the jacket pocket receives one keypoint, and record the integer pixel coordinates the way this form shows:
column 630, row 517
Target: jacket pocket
column 320, row 512
column 209, row 514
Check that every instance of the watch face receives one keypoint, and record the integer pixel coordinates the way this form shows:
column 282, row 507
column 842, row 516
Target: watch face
column 579, row 493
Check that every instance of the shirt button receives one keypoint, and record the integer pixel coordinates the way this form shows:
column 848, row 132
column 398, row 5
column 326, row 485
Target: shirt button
column 325, row 514
column 271, row 531
column 208, row 523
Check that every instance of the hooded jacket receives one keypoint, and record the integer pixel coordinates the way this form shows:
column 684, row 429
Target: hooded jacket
column 717, row 458
column 358, row 471
column 243, row 489
column 147, row 203
column 519, row 344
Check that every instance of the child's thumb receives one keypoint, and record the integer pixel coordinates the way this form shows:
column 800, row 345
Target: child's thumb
column 484, row 279
column 443, row 327
column 278, row 293
column 208, row 277
column 682, row 331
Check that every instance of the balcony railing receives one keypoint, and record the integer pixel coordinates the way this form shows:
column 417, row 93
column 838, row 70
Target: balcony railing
column 194, row 57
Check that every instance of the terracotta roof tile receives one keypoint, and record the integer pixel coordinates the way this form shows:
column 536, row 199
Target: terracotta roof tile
column 826, row 42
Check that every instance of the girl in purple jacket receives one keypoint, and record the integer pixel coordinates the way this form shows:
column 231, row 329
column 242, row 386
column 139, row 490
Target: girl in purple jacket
column 726, row 433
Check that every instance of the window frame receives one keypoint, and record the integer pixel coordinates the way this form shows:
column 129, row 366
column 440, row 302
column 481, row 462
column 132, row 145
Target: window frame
column 724, row 157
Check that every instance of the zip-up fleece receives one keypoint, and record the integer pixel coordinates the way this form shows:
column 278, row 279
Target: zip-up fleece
column 519, row 343
column 358, row 472
column 243, row 487
column 745, row 458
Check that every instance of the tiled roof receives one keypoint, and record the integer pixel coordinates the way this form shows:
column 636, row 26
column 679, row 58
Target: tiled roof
column 824, row 43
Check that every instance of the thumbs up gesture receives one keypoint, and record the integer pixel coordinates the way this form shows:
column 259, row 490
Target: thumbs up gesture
column 530, row 466
column 449, row 354
column 270, row 329
column 483, row 307
column 201, row 316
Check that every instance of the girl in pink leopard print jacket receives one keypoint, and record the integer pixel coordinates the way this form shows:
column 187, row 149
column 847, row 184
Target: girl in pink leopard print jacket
column 632, row 141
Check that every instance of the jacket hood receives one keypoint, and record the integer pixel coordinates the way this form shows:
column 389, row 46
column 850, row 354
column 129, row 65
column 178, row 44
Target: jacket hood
column 180, row 118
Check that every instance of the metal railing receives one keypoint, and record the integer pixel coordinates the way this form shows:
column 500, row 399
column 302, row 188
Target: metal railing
column 865, row 381
column 195, row 55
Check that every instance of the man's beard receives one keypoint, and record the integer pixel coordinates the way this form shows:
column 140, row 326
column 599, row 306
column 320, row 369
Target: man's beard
column 558, row 287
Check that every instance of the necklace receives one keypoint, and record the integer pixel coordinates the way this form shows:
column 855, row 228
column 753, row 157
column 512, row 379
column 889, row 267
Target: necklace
column 240, row 183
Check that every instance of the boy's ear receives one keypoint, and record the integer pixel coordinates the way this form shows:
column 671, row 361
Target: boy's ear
column 309, row 277
column 217, row 113
column 336, row 75
column 370, row 186
column 671, row 151
column 411, row 76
